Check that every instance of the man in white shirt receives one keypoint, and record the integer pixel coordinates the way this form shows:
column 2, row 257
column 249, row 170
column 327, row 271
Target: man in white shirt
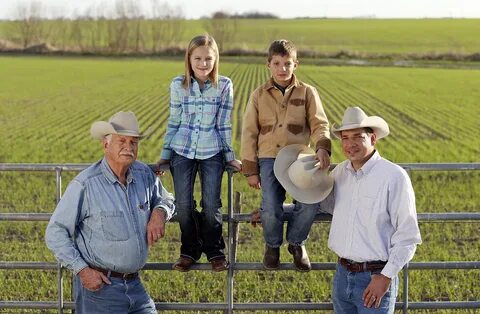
column 374, row 229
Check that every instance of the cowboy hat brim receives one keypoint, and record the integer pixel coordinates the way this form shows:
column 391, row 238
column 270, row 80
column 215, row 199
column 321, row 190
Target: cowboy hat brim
column 100, row 129
column 285, row 158
column 377, row 124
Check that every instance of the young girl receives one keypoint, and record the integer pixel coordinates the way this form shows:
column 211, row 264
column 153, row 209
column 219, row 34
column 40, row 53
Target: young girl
column 198, row 139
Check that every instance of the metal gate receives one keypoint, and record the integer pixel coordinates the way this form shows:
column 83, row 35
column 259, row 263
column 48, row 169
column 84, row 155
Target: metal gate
column 233, row 218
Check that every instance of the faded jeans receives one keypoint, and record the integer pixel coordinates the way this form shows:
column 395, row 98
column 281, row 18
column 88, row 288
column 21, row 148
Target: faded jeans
column 122, row 296
column 300, row 219
column 348, row 289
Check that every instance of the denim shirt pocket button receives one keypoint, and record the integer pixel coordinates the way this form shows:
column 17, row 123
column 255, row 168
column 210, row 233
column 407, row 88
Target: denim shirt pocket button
column 114, row 226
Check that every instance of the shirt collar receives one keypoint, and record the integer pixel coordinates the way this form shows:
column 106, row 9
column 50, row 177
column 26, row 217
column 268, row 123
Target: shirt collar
column 368, row 166
column 196, row 86
column 293, row 83
column 111, row 177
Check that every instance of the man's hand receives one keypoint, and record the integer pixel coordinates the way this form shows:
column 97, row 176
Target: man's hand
column 254, row 181
column 161, row 162
column 323, row 158
column 156, row 226
column 375, row 290
column 92, row 279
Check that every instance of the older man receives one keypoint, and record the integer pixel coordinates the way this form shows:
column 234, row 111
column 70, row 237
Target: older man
column 374, row 229
column 104, row 221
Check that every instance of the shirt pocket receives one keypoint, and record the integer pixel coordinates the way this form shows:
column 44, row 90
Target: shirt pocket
column 366, row 207
column 114, row 225
column 188, row 105
column 211, row 105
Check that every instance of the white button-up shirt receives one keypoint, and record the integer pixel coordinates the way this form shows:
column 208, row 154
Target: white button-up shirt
column 374, row 217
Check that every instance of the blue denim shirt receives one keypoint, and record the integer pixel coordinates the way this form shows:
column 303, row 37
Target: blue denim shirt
column 100, row 222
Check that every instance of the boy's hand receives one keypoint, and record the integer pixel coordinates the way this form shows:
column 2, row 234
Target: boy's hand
column 255, row 218
column 323, row 158
column 254, row 181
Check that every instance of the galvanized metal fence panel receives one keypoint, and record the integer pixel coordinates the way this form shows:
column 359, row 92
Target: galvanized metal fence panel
column 233, row 218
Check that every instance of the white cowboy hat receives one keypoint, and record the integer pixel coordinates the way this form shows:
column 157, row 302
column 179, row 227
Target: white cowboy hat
column 355, row 118
column 297, row 171
column 122, row 123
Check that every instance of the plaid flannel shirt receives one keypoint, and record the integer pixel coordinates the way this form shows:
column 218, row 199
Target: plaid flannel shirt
column 199, row 125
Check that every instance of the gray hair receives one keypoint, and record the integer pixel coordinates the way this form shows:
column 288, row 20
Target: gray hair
column 108, row 138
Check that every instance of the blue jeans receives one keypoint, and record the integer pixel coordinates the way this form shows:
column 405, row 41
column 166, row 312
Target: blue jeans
column 122, row 296
column 348, row 289
column 299, row 221
column 201, row 231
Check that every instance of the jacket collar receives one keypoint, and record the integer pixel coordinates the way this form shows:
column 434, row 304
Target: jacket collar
column 293, row 83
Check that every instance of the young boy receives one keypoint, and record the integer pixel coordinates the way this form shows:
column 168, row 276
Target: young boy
column 281, row 112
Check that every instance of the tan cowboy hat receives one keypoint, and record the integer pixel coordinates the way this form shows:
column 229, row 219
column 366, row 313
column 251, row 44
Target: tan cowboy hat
column 355, row 118
column 297, row 171
column 122, row 123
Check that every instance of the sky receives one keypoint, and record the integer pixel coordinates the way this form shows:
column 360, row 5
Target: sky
column 193, row 9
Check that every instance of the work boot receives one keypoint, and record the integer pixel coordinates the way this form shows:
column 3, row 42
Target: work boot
column 271, row 259
column 183, row 264
column 219, row 264
column 300, row 257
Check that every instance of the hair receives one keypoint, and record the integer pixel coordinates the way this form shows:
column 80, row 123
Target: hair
column 368, row 130
column 108, row 138
column 199, row 41
column 283, row 48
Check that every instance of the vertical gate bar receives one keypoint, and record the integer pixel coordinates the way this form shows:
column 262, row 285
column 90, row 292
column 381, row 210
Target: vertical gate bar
column 237, row 205
column 231, row 243
column 405, row 289
column 405, row 268
column 58, row 192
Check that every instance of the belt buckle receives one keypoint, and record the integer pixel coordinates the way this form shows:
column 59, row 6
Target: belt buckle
column 126, row 276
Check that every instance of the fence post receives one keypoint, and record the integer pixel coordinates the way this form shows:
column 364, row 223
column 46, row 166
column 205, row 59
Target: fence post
column 405, row 289
column 58, row 193
column 231, row 243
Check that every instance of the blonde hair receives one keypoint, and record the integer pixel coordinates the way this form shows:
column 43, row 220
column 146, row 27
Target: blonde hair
column 283, row 48
column 199, row 41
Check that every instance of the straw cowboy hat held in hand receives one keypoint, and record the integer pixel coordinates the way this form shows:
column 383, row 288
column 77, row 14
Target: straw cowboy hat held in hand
column 121, row 123
column 355, row 118
column 298, row 172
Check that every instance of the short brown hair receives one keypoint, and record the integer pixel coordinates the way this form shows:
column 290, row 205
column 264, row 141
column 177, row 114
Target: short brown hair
column 283, row 48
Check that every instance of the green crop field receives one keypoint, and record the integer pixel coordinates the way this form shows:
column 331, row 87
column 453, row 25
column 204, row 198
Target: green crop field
column 48, row 104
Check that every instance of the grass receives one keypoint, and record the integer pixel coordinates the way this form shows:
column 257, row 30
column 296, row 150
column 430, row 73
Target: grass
column 48, row 104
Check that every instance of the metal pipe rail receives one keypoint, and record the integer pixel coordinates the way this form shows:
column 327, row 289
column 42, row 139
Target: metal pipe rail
column 233, row 218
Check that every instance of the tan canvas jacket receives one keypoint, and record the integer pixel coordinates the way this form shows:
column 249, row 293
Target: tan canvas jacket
column 272, row 121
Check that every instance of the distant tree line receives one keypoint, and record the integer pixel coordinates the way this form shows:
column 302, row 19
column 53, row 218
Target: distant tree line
column 247, row 15
column 123, row 29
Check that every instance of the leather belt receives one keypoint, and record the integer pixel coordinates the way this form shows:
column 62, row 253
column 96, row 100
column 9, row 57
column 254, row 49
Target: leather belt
column 360, row 267
column 111, row 273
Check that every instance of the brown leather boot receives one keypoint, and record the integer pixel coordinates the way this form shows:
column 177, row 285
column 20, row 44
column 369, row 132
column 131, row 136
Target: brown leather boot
column 300, row 257
column 219, row 264
column 271, row 259
column 183, row 264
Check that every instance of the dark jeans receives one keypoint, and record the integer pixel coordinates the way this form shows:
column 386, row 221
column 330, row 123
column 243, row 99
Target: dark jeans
column 201, row 231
